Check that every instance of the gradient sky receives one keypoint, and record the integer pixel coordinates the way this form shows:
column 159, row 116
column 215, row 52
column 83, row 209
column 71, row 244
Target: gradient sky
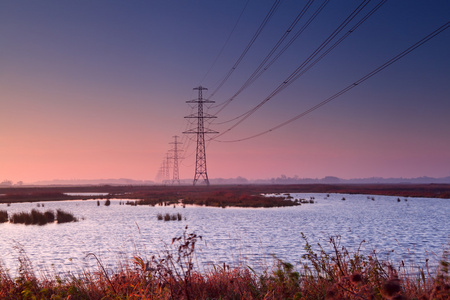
column 97, row 89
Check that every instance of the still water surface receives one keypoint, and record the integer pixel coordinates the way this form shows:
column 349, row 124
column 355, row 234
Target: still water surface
column 411, row 230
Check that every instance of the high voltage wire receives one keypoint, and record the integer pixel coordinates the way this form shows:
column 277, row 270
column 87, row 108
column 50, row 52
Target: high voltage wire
column 185, row 138
column 318, row 59
column 295, row 75
column 226, row 42
column 351, row 86
column 257, row 73
column 255, row 36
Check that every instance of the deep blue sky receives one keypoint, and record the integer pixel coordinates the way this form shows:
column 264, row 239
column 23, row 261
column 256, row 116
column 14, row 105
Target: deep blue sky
column 97, row 89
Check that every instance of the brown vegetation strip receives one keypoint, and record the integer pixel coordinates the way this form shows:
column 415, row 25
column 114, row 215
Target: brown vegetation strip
column 233, row 195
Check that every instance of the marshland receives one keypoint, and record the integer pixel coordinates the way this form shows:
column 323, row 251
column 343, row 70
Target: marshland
column 242, row 253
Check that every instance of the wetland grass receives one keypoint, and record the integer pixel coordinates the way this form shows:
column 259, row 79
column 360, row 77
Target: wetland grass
column 305, row 201
column 65, row 217
column 331, row 272
column 50, row 216
column 39, row 218
column 169, row 217
column 3, row 216
column 36, row 217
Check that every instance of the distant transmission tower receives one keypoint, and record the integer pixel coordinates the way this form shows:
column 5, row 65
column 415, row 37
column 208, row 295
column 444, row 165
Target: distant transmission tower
column 166, row 164
column 200, row 159
column 175, row 174
column 160, row 174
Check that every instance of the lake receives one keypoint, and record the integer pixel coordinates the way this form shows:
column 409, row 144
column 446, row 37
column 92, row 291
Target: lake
column 411, row 230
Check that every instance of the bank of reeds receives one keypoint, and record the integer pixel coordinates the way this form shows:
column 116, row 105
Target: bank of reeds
column 36, row 217
column 334, row 273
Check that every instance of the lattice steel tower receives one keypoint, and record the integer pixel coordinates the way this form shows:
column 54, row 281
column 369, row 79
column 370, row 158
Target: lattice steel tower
column 175, row 150
column 200, row 159
column 167, row 169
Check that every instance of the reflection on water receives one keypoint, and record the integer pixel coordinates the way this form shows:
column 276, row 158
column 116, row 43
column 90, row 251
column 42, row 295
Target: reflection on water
column 412, row 229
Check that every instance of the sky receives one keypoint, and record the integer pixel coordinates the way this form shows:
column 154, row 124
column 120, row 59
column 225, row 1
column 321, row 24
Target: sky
column 98, row 89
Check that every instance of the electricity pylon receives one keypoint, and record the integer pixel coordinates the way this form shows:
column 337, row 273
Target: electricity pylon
column 200, row 131
column 175, row 173
column 163, row 173
column 167, row 173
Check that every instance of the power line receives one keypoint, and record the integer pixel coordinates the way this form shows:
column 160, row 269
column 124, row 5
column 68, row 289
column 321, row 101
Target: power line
column 351, row 86
column 257, row 73
column 249, row 45
column 293, row 76
column 226, row 42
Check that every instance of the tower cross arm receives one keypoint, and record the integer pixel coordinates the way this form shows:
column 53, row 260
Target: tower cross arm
column 200, row 101
column 204, row 116
column 204, row 131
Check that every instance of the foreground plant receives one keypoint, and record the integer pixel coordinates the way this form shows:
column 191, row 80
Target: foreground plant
column 330, row 272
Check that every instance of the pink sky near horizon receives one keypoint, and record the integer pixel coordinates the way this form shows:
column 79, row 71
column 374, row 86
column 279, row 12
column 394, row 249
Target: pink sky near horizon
column 94, row 93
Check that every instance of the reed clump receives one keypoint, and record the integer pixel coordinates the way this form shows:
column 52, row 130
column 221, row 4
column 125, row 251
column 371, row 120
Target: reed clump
column 305, row 201
column 134, row 203
column 50, row 216
column 65, row 217
column 169, row 217
column 36, row 217
column 330, row 272
column 3, row 216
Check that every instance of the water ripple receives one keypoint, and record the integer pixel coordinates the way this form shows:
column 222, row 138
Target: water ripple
column 414, row 229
